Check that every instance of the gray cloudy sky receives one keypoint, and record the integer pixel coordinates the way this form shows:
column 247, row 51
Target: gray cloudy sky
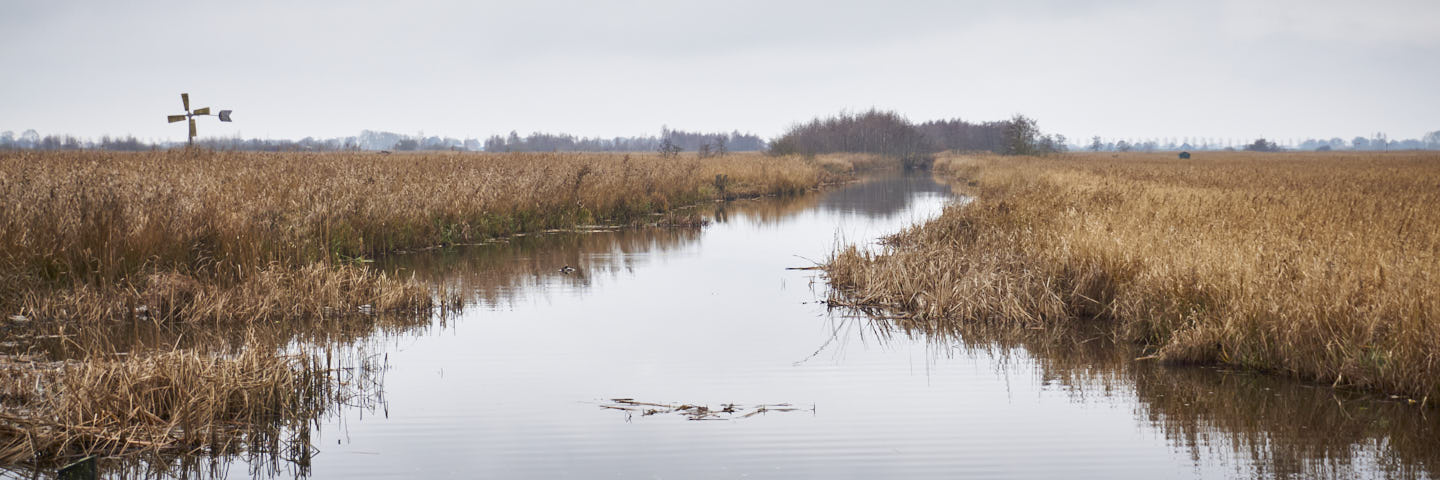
column 1118, row 68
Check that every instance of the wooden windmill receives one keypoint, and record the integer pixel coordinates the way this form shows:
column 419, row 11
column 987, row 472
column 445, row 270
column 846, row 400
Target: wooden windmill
column 199, row 112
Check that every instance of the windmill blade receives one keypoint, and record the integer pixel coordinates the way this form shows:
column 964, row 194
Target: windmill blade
column 192, row 127
column 202, row 111
column 185, row 99
column 175, row 118
column 224, row 115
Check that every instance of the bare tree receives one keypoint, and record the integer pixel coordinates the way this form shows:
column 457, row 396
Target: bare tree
column 668, row 149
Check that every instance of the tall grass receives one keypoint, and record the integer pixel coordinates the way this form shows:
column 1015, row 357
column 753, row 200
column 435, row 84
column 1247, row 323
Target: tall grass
column 1318, row 266
column 176, row 402
column 150, row 296
column 105, row 221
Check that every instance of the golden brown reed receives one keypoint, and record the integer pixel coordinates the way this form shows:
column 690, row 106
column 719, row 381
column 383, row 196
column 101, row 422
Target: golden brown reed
column 170, row 403
column 107, row 221
column 1319, row 266
column 847, row 163
column 271, row 293
column 145, row 294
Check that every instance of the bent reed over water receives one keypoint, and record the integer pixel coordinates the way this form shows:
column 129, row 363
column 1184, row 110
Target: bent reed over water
column 240, row 241
column 1321, row 266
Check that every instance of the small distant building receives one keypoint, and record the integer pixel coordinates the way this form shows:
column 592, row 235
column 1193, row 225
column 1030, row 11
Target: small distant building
column 1184, row 155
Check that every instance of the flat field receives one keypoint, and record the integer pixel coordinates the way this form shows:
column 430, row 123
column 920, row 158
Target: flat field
column 1322, row 266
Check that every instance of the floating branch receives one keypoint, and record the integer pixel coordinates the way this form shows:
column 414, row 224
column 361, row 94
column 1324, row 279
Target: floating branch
column 726, row 411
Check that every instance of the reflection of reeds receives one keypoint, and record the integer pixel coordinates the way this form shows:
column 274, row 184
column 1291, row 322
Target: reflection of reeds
column 494, row 273
column 1263, row 425
column 1312, row 265
column 764, row 211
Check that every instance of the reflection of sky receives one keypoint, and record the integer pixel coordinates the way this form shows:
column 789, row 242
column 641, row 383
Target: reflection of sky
column 510, row 390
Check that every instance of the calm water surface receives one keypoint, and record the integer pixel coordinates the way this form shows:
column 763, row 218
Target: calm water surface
column 515, row 386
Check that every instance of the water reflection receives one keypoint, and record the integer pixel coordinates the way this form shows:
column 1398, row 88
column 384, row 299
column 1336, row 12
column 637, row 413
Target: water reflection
column 884, row 197
column 1264, row 425
column 506, row 271
column 59, row 342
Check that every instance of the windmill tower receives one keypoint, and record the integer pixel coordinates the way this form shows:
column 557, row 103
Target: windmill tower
column 189, row 115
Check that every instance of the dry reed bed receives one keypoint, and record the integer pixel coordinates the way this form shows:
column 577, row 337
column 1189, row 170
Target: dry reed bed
column 93, row 243
column 273, row 293
column 311, row 305
column 178, row 402
column 1319, row 266
column 112, row 222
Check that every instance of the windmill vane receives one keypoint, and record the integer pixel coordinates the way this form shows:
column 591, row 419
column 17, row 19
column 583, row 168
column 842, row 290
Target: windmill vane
column 191, row 114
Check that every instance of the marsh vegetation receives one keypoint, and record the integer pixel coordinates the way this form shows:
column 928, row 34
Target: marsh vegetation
column 687, row 322
column 186, row 301
column 1279, row 427
column 95, row 235
column 246, row 342
column 1317, row 266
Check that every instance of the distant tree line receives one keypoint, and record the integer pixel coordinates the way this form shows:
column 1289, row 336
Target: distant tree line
column 704, row 143
column 888, row 133
column 685, row 141
column 1263, row 145
column 1378, row 141
column 870, row 132
column 1375, row 142
column 873, row 131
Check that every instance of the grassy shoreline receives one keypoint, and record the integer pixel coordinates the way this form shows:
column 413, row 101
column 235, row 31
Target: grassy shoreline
column 1316, row 266
column 81, row 227
column 237, row 247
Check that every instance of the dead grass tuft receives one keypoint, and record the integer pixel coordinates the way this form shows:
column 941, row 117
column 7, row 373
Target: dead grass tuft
column 168, row 403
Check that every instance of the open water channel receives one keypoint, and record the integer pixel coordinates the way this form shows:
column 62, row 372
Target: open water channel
column 524, row 382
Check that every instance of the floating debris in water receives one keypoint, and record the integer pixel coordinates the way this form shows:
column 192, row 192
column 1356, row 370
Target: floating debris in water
column 726, row 411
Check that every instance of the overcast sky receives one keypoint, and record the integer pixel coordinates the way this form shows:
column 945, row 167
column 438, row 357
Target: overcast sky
column 1234, row 69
